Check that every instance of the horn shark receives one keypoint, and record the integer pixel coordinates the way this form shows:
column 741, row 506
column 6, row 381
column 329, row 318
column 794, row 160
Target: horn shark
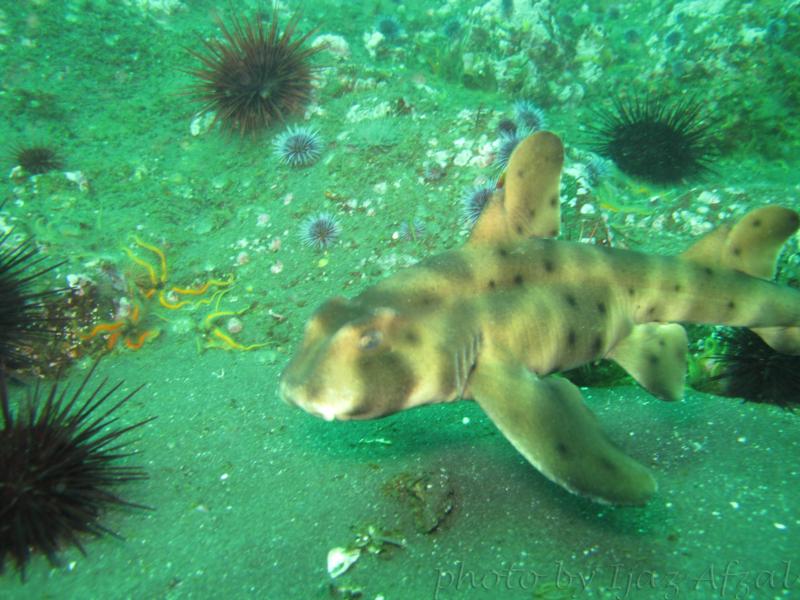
column 494, row 320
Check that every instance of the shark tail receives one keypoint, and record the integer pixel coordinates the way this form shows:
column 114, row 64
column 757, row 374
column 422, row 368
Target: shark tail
column 752, row 246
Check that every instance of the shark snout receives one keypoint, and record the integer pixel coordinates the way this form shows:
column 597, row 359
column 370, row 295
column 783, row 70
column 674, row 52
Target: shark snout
column 298, row 395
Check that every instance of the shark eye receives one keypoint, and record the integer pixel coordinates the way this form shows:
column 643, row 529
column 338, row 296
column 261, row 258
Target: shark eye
column 371, row 339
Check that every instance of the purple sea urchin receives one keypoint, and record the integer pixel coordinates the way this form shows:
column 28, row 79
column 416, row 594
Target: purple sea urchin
column 597, row 169
column 256, row 76
column 412, row 230
column 507, row 144
column 529, row 116
column 507, row 127
column 655, row 140
column 320, row 231
column 474, row 202
column 390, row 28
column 298, row 146
column 59, row 469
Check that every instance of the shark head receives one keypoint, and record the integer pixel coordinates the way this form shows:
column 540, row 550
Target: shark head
column 355, row 362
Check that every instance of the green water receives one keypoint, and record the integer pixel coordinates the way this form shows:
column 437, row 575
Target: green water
column 249, row 495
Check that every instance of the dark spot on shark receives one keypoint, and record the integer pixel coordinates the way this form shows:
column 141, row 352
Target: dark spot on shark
column 601, row 308
column 562, row 449
column 520, row 230
column 520, row 173
column 571, row 337
column 428, row 300
column 708, row 271
column 553, row 233
column 652, row 359
column 737, row 251
column 531, row 213
column 492, row 284
column 549, row 266
column 335, row 313
column 677, row 287
column 571, row 300
column 554, row 201
column 607, row 465
column 412, row 337
column 502, row 252
column 631, row 291
column 756, row 222
column 391, row 380
column 597, row 344
column 518, row 279
column 651, row 311
column 313, row 387
column 731, row 305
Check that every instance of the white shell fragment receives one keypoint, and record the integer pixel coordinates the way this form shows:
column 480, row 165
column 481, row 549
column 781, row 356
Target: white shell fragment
column 341, row 559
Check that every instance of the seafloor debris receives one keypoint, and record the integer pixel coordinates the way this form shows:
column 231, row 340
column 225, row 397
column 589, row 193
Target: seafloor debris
column 340, row 559
column 429, row 496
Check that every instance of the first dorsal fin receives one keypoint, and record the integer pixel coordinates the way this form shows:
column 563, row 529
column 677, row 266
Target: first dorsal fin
column 528, row 203
column 751, row 246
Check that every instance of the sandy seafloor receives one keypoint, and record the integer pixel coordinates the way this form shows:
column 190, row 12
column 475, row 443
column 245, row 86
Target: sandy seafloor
column 249, row 494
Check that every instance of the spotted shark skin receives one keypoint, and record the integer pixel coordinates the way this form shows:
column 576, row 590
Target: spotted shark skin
column 494, row 320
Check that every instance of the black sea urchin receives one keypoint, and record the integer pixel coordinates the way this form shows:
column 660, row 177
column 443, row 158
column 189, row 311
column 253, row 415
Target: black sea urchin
column 255, row 76
column 654, row 139
column 36, row 159
column 748, row 368
column 23, row 314
column 59, row 469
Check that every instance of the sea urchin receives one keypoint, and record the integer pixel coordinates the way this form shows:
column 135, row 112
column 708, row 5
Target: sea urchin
column 255, row 76
column 654, row 139
column 23, row 310
column 748, row 368
column 59, row 469
column 298, row 146
column 36, row 159
column 475, row 201
column 320, row 231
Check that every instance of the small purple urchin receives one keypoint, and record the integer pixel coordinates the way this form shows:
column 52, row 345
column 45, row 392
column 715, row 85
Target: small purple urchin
column 508, row 142
column 474, row 202
column 596, row 170
column 530, row 116
column 320, row 231
column 298, row 147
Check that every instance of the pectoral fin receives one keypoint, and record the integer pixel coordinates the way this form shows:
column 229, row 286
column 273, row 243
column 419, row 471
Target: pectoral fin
column 548, row 423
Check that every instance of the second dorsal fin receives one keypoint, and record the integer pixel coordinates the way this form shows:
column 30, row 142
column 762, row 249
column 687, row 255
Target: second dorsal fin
column 751, row 246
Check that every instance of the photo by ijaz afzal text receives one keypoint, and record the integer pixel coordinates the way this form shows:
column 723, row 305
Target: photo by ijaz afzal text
column 730, row 579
